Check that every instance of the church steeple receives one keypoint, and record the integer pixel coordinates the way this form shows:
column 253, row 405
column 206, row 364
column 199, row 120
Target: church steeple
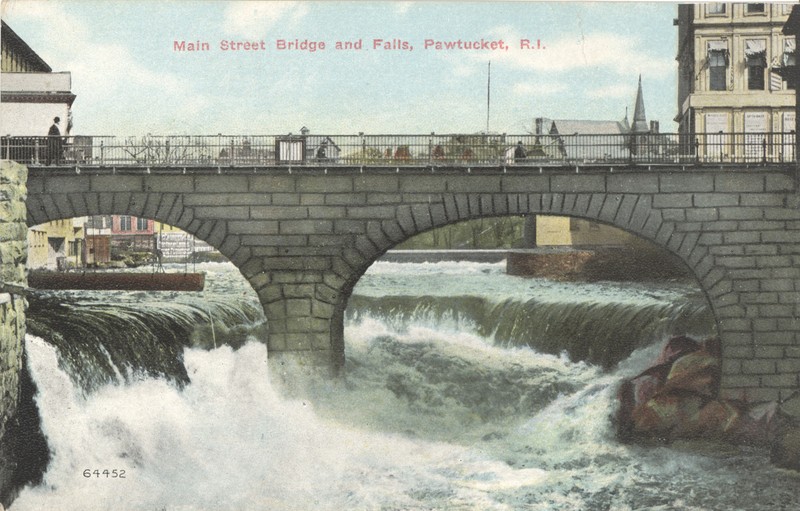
column 639, row 119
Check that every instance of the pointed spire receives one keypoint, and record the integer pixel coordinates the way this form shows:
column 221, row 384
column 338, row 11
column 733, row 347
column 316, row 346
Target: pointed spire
column 639, row 119
column 626, row 125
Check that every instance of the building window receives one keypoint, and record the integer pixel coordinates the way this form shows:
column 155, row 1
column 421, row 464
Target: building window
column 755, row 8
column 717, row 64
column 141, row 224
column 756, row 55
column 74, row 248
column 715, row 8
column 124, row 223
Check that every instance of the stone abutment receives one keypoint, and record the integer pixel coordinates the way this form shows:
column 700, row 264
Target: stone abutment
column 13, row 244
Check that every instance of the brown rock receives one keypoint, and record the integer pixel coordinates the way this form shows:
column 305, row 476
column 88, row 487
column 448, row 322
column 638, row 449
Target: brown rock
column 676, row 348
column 719, row 418
column 690, row 423
column 634, row 393
column 648, row 383
column 696, row 372
column 658, row 415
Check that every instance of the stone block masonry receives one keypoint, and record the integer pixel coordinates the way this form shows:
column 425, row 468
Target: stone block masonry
column 13, row 246
column 303, row 237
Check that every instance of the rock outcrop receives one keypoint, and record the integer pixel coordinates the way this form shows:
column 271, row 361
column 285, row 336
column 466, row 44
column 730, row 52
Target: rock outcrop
column 678, row 398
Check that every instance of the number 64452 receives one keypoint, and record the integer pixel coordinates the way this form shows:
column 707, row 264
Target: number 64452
column 108, row 474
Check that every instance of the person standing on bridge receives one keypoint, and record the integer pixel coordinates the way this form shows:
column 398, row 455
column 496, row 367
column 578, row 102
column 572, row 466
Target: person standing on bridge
column 55, row 144
column 519, row 153
column 322, row 151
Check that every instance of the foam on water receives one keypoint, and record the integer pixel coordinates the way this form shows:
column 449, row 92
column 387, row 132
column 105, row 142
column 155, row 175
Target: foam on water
column 429, row 416
column 226, row 441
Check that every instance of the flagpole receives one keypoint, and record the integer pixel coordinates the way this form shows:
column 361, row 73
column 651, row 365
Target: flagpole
column 488, row 95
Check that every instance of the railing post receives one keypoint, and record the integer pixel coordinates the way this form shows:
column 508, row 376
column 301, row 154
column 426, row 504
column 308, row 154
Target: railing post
column 764, row 149
column 697, row 150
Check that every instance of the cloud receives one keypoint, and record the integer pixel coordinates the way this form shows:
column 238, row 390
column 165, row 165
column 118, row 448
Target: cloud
column 254, row 19
column 618, row 53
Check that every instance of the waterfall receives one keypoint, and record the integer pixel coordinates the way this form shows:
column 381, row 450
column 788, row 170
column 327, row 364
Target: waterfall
column 600, row 333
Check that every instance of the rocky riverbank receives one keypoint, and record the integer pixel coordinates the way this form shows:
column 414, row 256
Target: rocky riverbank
column 678, row 398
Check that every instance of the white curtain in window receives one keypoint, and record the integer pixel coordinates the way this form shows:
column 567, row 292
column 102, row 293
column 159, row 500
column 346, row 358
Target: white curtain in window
column 789, row 58
column 753, row 47
column 717, row 46
column 717, row 53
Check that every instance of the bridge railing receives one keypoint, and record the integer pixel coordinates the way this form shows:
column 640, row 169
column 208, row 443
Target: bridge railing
column 401, row 150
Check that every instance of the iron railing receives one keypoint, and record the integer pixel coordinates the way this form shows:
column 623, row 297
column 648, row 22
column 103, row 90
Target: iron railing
column 401, row 150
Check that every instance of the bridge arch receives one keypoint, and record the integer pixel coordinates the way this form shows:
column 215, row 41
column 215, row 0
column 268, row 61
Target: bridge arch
column 74, row 205
column 615, row 210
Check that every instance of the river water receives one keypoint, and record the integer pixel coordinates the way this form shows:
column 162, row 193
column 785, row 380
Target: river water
column 465, row 389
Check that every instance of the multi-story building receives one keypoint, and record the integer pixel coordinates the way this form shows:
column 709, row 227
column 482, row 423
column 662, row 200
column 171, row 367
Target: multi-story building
column 31, row 94
column 730, row 90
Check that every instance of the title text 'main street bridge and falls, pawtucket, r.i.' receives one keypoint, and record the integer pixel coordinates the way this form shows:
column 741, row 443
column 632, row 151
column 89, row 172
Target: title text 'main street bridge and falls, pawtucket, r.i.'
column 390, row 44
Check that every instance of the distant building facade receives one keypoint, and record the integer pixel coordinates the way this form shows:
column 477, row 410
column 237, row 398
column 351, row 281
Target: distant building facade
column 131, row 234
column 57, row 245
column 576, row 232
column 730, row 89
column 111, row 237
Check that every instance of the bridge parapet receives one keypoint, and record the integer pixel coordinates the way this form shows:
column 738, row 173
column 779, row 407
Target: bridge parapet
column 402, row 150
column 304, row 238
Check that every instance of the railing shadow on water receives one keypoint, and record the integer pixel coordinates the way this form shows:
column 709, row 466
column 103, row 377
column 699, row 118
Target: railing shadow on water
column 438, row 150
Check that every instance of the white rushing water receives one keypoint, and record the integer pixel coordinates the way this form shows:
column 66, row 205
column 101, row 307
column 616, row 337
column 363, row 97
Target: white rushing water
column 430, row 416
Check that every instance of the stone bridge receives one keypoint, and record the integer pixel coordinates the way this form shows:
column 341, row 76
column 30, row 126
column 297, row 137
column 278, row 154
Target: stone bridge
column 303, row 237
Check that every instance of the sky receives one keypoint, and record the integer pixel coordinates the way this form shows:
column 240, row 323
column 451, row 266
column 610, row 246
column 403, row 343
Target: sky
column 129, row 78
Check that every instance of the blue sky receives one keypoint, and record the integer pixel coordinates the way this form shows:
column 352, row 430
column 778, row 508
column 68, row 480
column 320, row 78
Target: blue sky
column 129, row 80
